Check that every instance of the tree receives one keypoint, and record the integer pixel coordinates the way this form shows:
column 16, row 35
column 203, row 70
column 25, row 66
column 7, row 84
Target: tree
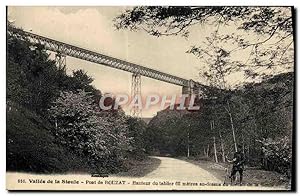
column 34, row 81
column 81, row 80
column 31, row 75
column 68, row 105
column 136, row 131
column 81, row 127
column 167, row 133
column 263, row 34
column 278, row 154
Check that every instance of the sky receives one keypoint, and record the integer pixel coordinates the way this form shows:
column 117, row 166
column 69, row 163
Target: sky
column 92, row 28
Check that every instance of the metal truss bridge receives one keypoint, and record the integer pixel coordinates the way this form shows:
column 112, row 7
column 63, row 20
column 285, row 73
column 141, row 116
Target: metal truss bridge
column 63, row 49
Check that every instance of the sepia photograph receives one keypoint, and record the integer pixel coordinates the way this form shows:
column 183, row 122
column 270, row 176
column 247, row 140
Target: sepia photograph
column 150, row 98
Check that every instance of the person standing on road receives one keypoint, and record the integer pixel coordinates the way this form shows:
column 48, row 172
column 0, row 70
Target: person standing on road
column 238, row 164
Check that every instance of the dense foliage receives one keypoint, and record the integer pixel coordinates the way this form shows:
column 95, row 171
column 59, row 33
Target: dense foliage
column 262, row 115
column 99, row 136
column 54, row 124
column 246, row 44
column 262, row 35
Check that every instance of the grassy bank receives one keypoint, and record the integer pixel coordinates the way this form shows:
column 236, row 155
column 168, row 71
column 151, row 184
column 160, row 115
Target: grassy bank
column 251, row 175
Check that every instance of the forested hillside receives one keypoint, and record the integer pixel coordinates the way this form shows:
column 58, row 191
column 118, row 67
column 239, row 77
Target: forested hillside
column 55, row 125
column 53, row 122
column 260, row 115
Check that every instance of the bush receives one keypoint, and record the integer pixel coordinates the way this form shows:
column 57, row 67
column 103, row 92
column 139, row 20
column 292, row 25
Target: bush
column 31, row 146
column 101, row 136
column 278, row 154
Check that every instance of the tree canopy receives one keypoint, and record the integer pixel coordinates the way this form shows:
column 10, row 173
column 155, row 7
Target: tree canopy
column 263, row 36
column 246, row 44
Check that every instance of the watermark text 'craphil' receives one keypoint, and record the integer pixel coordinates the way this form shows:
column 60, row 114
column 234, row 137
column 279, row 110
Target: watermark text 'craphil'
column 183, row 102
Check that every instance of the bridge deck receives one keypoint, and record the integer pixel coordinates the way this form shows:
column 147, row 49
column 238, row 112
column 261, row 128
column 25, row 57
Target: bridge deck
column 88, row 55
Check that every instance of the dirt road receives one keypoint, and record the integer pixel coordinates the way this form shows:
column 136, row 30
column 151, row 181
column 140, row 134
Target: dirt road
column 166, row 175
column 174, row 169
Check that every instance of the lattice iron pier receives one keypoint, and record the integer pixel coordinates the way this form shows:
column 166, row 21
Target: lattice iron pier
column 136, row 94
column 61, row 61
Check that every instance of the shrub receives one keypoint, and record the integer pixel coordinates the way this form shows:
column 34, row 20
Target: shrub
column 31, row 146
